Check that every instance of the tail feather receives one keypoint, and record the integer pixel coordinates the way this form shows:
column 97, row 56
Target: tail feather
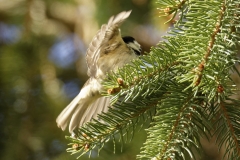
column 99, row 106
column 80, row 111
column 64, row 117
column 77, row 116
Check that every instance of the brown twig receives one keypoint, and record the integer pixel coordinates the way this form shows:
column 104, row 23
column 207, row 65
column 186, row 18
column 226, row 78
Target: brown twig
column 230, row 125
column 216, row 30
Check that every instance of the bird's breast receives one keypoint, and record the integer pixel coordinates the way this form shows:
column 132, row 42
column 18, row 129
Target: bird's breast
column 114, row 60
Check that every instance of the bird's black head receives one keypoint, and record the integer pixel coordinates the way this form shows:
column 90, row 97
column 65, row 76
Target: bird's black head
column 133, row 44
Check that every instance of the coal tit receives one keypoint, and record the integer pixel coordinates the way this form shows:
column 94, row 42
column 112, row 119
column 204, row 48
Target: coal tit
column 106, row 53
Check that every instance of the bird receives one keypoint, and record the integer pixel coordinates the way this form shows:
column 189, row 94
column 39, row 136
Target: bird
column 107, row 52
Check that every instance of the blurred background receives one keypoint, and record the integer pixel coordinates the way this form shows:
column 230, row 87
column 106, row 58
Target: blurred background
column 42, row 68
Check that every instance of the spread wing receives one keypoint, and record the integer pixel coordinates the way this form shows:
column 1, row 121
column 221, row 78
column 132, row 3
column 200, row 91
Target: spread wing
column 100, row 40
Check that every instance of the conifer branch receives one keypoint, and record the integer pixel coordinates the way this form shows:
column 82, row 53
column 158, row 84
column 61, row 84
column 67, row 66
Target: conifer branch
column 120, row 83
column 95, row 134
column 226, row 127
column 200, row 68
column 185, row 79
column 230, row 126
column 175, row 125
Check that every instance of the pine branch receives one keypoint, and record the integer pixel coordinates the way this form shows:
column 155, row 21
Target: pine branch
column 184, row 111
column 226, row 126
column 185, row 79
column 121, row 120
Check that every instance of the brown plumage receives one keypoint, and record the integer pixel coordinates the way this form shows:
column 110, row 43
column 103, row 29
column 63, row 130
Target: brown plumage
column 106, row 52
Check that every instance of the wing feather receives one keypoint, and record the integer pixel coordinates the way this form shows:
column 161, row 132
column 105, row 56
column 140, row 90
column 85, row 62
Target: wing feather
column 99, row 41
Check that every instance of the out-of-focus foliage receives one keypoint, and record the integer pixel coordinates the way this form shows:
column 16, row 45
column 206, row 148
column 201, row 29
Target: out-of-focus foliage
column 42, row 68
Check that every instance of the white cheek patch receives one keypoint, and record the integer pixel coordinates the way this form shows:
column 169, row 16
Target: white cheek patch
column 135, row 46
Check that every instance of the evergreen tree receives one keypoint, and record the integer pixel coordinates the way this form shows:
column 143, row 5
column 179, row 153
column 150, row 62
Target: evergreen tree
column 183, row 86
